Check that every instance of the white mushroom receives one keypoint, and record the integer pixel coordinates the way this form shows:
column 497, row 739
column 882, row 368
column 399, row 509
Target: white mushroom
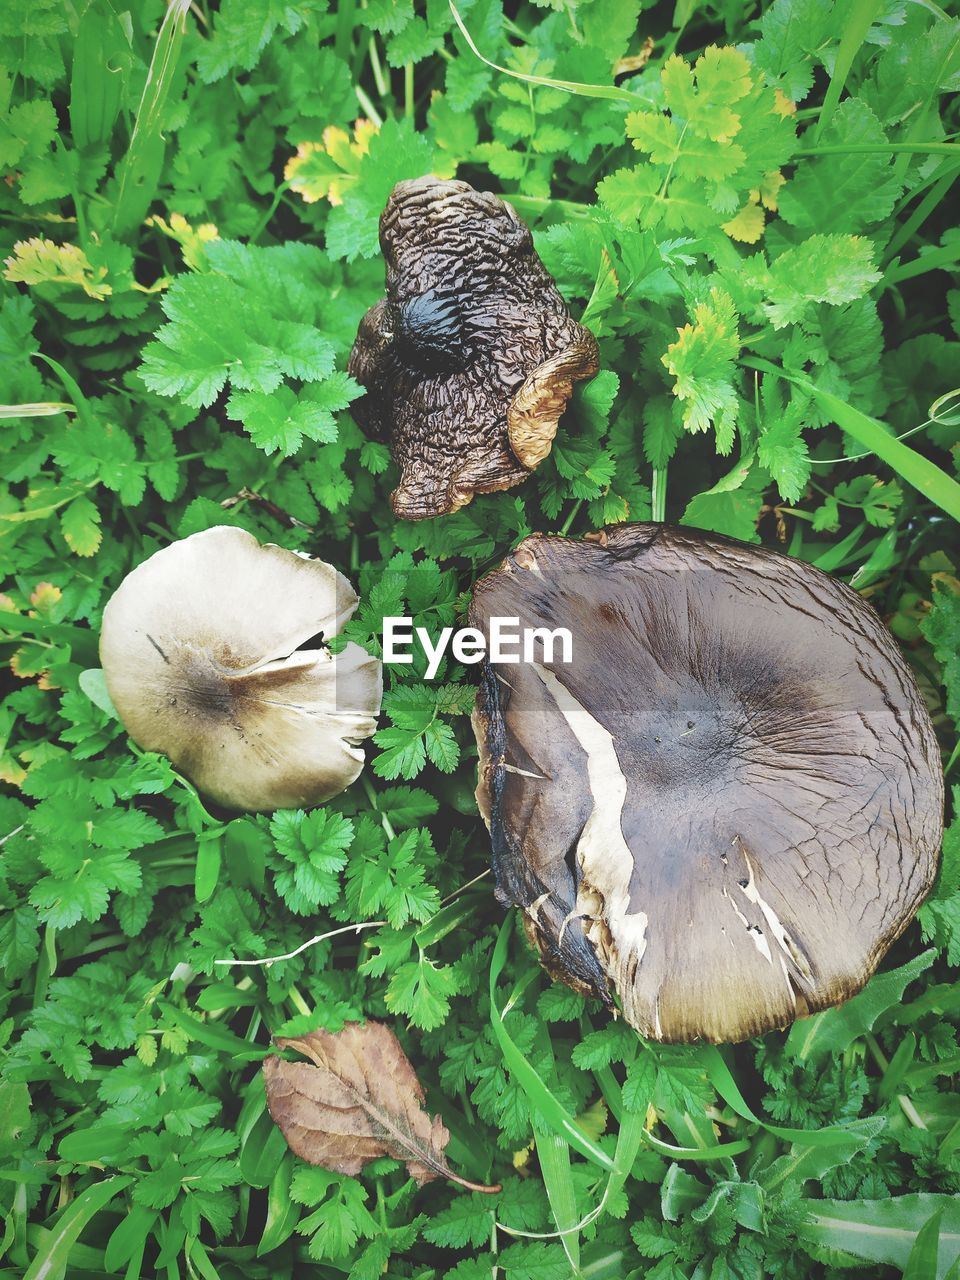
column 214, row 654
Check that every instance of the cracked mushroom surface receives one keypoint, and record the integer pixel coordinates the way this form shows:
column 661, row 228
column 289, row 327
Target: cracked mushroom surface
column 729, row 804
column 470, row 359
column 213, row 655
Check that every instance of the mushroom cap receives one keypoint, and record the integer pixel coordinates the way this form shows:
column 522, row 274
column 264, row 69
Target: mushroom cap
column 729, row 804
column 200, row 651
column 470, row 359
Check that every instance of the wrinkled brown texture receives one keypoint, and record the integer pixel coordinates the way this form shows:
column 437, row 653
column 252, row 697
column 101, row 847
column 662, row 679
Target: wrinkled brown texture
column 361, row 1100
column 470, row 359
column 730, row 804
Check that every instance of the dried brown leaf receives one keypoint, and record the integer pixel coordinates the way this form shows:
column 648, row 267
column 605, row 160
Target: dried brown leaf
column 360, row 1101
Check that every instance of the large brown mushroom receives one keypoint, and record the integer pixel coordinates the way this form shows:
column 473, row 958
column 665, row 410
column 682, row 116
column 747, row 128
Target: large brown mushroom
column 213, row 653
column 470, row 359
column 729, row 804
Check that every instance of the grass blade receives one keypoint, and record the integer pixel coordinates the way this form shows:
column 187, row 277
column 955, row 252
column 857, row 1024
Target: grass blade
column 609, row 91
column 933, row 260
column 859, row 21
column 722, row 1080
column 553, row 1152
column 924, row 1256
column 539, row 1096
column 101, row 64
column 140, row 170
column 629, row 1140
column 39, row 409
column 925, row 476
column 722, row 1150
column 55, row 1250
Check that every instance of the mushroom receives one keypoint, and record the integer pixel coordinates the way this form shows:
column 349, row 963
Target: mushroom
column 729, row 804
column 470, row 359
column 214, row 653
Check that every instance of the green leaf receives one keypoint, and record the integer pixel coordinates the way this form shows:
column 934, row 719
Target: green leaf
column 142, row 160
column 403, row 755
column 883, row 1231
column 242, row 30
column 844, row 192
column 924, row 1256
column 702, row 362
column 395, row 152
column 924, row 475
column 216, row 333
column 794, row 34
column 422, row 989
column 825, row 268
column 545, row 1103
column 80, row 523
column 832, row 1031
column 940, row 914
column 313, row 846
column 804, row 1162
column 441, row 746
column 467, row 1221
column 941, row 627
column 782, row 449
column 53, row 1255
column 733, row 509
column 93, row 683
column 207, row 871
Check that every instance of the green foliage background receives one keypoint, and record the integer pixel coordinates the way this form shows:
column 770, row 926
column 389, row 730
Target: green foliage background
column 756, row 226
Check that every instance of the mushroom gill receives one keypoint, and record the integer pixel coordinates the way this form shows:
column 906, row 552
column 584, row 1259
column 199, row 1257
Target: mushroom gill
column 214, row 654
column 729, row 804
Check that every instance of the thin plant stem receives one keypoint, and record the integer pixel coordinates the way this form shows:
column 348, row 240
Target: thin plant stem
column 919, row 216
column 658, row 495
column 376, row 66
column 463, row 888
column 880, row 148
column 574, row 510
column 369, row 109
column 265, row 220
column 935, row 260
column 304, row 946
column 343, row 40
column 905, row 1103
column 384, row 820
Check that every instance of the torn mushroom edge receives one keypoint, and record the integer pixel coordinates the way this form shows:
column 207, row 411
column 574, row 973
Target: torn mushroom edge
column 490, row 732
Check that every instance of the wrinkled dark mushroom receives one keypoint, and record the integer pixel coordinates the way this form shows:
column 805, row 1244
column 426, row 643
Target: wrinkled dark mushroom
column 470, row 359
column 729, row 804
column 213, row 653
